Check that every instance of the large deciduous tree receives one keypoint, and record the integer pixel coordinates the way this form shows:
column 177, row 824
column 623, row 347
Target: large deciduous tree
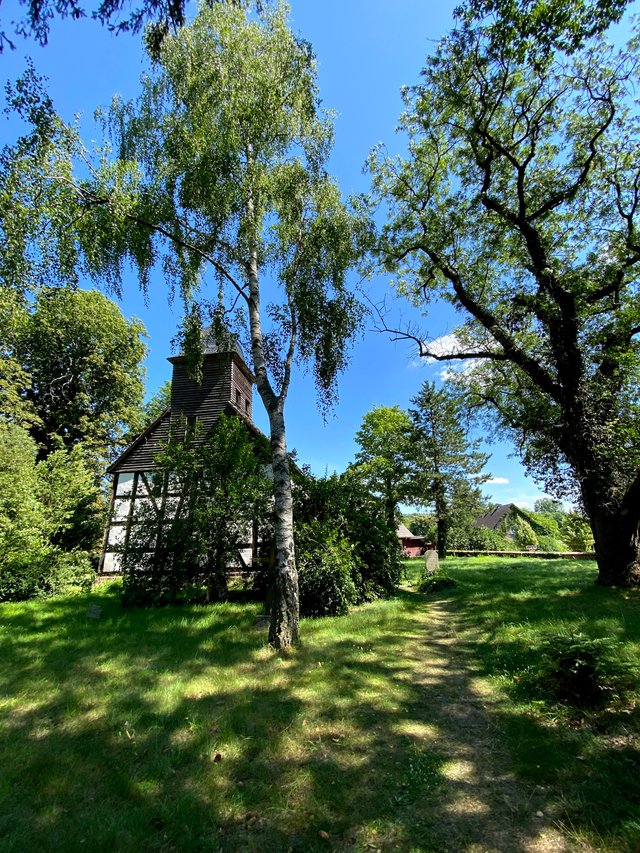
column 447, row 462
column 83, row 366
column 219, row 169
column 383, row 462
column 518, row 203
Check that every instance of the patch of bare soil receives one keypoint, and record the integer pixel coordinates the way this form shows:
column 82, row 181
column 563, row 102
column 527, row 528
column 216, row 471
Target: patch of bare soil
column 483, row 807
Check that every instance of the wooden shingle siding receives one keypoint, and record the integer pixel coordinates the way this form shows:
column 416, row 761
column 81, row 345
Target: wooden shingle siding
column 241, row 384
column 141, row 454
column 206, row 400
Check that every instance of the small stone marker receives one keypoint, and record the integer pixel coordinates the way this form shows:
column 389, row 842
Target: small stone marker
column 94, row 611
column 431, row 562
column 262, row 620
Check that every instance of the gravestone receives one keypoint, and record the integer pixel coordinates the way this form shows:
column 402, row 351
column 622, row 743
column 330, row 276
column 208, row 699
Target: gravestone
column 431, row 562
column 94, row 611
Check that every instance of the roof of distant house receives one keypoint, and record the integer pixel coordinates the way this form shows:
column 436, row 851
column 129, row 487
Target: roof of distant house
column 492, row 519
column 403, row 532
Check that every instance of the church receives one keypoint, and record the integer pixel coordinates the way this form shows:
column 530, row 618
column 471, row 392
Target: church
column 226, row 387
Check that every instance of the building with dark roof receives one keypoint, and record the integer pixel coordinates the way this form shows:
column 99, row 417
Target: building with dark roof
column 226, row 387
column 498, row 516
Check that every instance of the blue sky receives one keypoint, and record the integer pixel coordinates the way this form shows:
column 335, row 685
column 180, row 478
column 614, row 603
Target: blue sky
column 366, row 50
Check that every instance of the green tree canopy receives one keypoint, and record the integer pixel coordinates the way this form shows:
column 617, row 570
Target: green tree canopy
column 525, row 27
column 384, row 459
column 158, row 403
column 518, row 202
column 83, row 361
column 447, row 463
column 51, row 516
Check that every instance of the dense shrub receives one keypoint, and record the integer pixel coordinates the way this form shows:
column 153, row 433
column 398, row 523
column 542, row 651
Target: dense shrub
column 341, row 510
column 326, row 565
column 581, row 671
column 35, row 570
column 50, row 518
column 550, row 544
column 577, row 533
column 435, row 581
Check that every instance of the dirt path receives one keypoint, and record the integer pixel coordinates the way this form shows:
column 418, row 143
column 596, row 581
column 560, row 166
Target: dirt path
column 484, row 808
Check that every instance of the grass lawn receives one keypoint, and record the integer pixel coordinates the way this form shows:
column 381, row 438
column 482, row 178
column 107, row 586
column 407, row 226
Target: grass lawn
column 178, row 729
column 503, row 610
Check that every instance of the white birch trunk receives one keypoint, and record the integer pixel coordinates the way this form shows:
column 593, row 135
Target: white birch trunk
column 284, row 629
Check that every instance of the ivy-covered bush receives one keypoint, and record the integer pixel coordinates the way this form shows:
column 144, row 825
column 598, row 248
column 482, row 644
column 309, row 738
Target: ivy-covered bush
column 577, row 533
column 478, row 539
column 524, row 533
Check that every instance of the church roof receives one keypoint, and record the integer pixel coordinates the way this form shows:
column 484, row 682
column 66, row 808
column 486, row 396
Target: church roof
column 225, row 342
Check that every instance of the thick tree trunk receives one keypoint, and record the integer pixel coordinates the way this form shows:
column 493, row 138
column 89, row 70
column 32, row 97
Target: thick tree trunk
column 284, row 629
column 617, row 545
column 615, row 529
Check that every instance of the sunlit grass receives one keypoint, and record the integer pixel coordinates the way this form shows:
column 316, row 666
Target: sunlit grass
column 179, row 729
column 503, row 610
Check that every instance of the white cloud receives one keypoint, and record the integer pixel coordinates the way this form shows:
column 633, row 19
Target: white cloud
column 445, row 345
column 497, row 481
column 449, row 346
column 525, row 501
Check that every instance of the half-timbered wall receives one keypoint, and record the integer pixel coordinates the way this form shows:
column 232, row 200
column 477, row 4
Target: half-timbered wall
column 137, row 492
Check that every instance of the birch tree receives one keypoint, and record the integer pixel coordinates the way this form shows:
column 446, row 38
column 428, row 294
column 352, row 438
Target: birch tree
column 218, row 172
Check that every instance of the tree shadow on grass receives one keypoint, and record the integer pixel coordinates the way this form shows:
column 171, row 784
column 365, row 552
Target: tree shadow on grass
column 177, row 729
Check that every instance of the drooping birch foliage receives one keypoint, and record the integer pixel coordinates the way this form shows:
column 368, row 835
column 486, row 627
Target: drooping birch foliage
column 217, row 175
